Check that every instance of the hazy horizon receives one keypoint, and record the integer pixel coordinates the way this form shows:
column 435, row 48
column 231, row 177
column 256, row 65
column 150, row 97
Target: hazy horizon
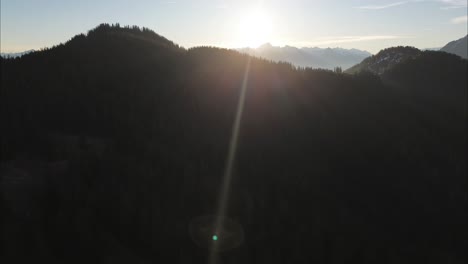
column 364, row 25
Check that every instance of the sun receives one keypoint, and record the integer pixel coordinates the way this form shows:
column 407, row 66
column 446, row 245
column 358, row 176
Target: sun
column 255, row 28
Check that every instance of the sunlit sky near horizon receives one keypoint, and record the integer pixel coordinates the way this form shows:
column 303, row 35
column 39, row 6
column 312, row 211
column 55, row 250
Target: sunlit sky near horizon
column 366, row 25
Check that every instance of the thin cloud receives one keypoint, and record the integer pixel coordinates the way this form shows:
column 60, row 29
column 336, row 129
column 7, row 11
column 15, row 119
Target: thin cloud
column 455, row 3
column 459, row 20
column 377, row 7
column 452, row 4
column 447, row 4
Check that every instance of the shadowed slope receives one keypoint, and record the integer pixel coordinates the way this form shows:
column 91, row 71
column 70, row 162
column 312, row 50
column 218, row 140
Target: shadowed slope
column 329, row 167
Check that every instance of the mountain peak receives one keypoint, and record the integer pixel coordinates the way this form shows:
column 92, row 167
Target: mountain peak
column 116, row 28
column 458, row 47
column 385, row 59
column 265, row 46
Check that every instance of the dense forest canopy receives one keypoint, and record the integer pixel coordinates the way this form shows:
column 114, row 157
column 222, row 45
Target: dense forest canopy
column 115, row 140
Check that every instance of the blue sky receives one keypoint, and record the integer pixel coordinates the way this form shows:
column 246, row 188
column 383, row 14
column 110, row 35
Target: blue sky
column 368, row 25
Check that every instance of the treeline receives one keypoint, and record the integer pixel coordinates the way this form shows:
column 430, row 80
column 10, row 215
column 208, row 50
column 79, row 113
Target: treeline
column 117, row 139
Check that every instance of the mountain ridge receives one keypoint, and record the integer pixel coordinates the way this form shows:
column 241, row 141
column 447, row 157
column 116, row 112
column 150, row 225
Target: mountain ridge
column 16, row 54
column 458, row 47
column 385, row 60
column 314, row 57
column 133, row 131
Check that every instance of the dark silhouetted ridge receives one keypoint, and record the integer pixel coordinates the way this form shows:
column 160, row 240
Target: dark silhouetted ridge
column 143, row 34
column 115, row 141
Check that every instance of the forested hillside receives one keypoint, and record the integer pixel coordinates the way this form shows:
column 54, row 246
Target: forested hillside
column 113, row 142
column 385, row 60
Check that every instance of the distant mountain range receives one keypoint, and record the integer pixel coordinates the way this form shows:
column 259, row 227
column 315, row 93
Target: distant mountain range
column 16, row 54
column 352, row 59
column 329, row 58
column 326, row 58
column 458, row 47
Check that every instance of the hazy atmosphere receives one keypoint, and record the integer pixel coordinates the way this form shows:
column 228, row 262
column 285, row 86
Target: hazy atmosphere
column 367, row 25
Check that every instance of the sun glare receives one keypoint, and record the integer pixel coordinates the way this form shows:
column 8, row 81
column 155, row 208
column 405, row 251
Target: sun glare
column 255, row 29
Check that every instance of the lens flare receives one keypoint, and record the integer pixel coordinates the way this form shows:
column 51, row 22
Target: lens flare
column 224, row 194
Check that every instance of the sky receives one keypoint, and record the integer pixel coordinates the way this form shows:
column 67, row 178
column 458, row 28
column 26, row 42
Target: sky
column 365, row 24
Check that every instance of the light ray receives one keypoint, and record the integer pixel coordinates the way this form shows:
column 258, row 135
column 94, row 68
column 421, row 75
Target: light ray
column 227, row 176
